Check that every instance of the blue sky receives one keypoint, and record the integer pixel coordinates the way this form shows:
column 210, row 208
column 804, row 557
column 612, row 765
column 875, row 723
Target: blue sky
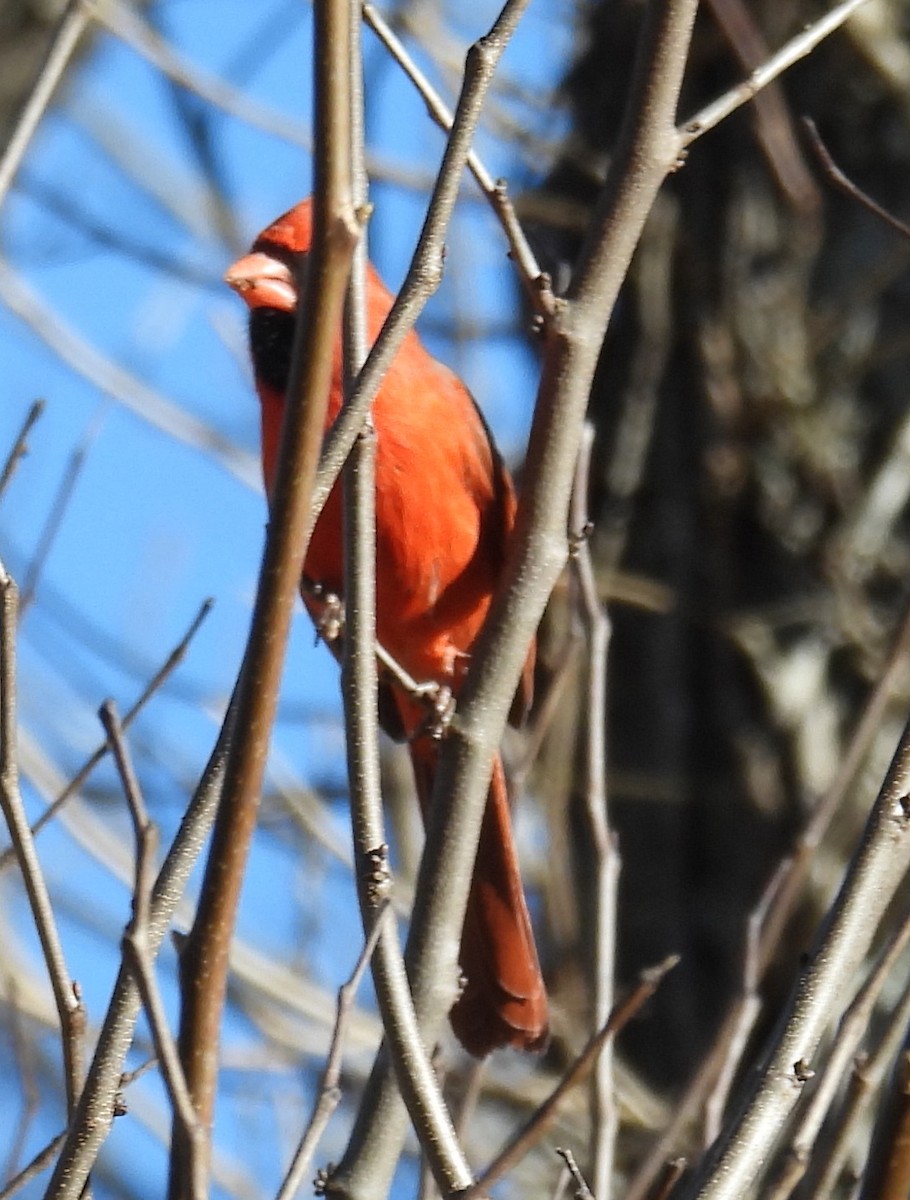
column 154, row 525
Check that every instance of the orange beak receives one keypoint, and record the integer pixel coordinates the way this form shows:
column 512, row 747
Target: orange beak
column 263, row 282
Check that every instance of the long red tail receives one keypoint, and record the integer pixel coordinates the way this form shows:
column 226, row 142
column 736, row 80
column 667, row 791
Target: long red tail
column 503, row 1001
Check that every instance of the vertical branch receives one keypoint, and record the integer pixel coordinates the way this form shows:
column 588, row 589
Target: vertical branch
column 204, row 963
column 604, row 1117
column 97, row 1104
column 647, row 151
column 416, row 1079
column 138, row 953
column 66, row 994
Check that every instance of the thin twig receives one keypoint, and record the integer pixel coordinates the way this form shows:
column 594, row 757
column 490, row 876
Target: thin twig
column 425, row 272
column 582, row 1191
column 416, row 1078
column 66, row 992
column 69, row 29
column 375, row 1145
column 853, row 1028
column 607, row 863
column 877, row 869
column 329, row 1089
column 530, row 1134
column 773, row 123
column 846, row 185
column 869, row 1070
column 670, row 1176
column 137, row 956
column 20, row 445
column 39, row 1163
column 206, row 954
column 97, row 1104
column 791, row 53
column 535, row 282
column 59, row 506
column 167, row 668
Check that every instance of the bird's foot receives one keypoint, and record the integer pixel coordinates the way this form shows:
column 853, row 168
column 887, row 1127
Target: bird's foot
column 441, row 703
column 327, row 611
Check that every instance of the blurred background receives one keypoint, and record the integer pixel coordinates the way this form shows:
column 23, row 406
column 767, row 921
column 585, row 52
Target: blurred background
column 749, row 493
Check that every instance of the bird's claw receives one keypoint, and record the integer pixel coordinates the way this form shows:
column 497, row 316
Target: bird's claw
column 329, row 620
column 441, row 702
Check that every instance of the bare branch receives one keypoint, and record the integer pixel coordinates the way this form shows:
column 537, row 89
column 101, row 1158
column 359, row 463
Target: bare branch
column 97, row 1104
column 205, row 957
column 847, row 186
column 329, row 1090
column 20, row 445
column 138, row 957
column 878, row 866
column 39, row 1163
column 66, row 991
column 173, row 660
column 604, row 1117
column 797, row 48
column 531, row 1133
column 535, row 283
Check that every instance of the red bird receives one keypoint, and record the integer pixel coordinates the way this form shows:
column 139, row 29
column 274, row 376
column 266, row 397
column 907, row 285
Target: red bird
column 445, row 508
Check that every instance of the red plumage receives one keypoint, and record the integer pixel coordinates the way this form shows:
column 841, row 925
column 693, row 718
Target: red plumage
column 445, row 507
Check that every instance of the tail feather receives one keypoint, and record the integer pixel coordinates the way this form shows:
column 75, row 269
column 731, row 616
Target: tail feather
column 503, row 1001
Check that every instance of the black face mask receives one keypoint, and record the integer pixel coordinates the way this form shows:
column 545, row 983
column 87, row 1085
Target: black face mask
column 271, row 344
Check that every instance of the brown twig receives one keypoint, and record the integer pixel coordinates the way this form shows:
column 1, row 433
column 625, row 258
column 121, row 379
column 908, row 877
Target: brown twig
column 773, row 123
column 329, row 1089
column 66, row 993
column 530, row 1134
column 869, row 1071
column 417, row 1081
column 39, row 1163
column 846, row 185
column 582, row 1191
column 794, row 50
column 205, row 957
column 604, row 1117
column 97, row 1104
column 669, row 1177
column 20, row 445
column 535, row 283
column 138, row 957
column 167, row 668
column 378, row 1135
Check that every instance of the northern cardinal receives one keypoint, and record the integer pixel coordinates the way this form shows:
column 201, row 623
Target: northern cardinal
column 445, row 507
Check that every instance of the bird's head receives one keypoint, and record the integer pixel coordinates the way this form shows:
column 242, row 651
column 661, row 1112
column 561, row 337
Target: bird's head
column 267, row 280
column 267, row 276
